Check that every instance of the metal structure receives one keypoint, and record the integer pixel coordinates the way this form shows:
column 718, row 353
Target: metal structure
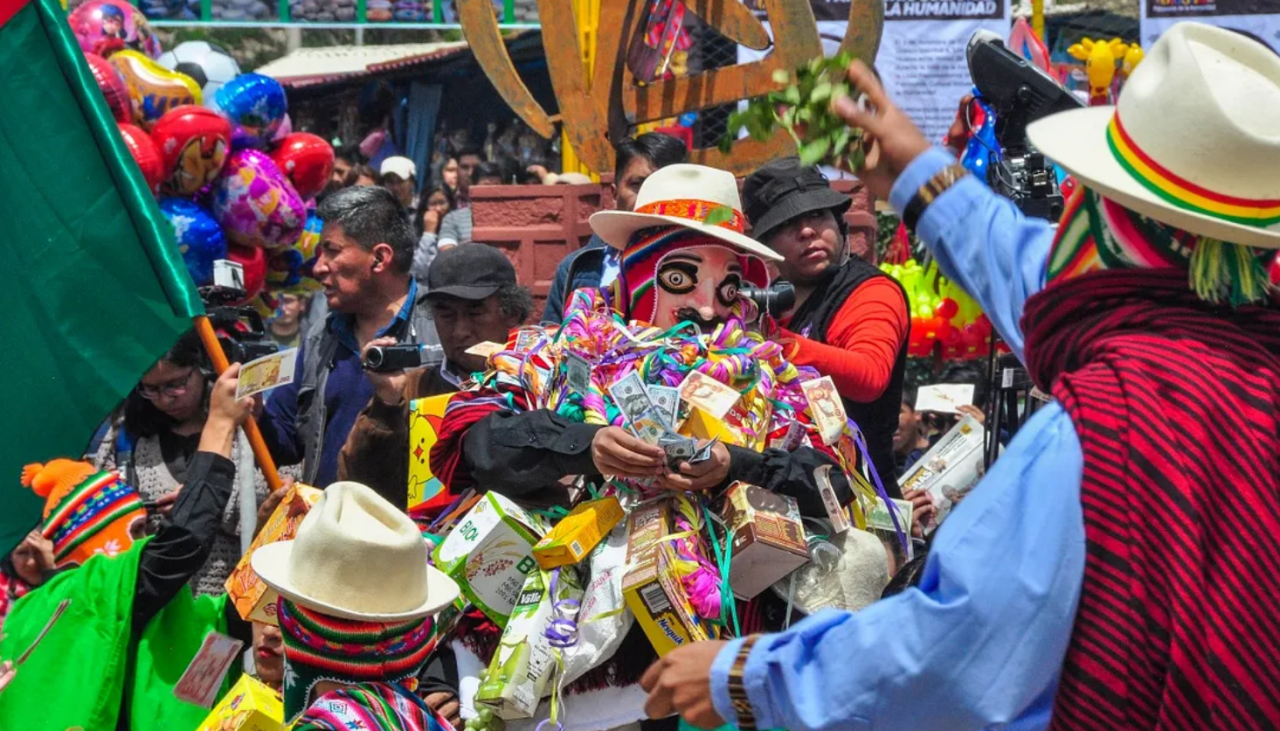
column 607, row 97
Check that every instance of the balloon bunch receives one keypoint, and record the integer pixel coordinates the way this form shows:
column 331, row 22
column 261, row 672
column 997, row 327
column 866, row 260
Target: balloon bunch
column 215, row 146
column 943, row 316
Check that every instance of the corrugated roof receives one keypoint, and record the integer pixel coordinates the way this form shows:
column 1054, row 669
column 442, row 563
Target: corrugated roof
column 308, row 66
column 404, row 62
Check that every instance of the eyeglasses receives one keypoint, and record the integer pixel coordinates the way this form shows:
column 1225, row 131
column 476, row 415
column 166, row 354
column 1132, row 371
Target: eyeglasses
column 172, row 389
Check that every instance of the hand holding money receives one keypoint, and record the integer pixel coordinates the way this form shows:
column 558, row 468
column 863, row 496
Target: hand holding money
column 708, row 468
column 617, row 453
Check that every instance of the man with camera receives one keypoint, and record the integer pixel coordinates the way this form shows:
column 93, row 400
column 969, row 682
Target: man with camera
column 850, row 320
column 474, row 298
column 366, row 249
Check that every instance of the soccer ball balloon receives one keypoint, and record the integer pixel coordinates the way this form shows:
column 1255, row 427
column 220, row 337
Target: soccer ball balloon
column 208, row 63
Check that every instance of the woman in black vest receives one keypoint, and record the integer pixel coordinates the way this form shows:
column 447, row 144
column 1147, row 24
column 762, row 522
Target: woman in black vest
column 851, row 321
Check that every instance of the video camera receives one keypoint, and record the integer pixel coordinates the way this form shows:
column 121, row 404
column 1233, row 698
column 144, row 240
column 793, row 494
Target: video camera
column 774, row 300
column 1019, row 93
column 240, row 329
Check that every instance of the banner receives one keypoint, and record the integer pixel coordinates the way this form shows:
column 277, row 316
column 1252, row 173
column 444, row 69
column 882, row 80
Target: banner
column 1259, row 19
column 320, row 13
column 922, row 60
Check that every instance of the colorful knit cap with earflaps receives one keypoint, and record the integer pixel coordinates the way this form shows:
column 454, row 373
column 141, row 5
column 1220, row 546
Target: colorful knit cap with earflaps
column 86, row 512
column 633, row 292
column 319, row 647
column 1097, row 234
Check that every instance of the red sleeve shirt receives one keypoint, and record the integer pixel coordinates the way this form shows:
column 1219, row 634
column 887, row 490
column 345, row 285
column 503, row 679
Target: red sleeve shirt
column 863, row 340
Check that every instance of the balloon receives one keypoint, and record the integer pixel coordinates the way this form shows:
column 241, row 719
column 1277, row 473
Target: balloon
column 207, row 63
column 285, row 129
column 103, row 25
column 198, row 236
column 254, row 261
column 154, row 88
column 194, row 143
column 255, row 204
column 256, row 106
column 947, row 309
column 112, row 86
column 307, row 160
column 290, row 270
column 144, row 153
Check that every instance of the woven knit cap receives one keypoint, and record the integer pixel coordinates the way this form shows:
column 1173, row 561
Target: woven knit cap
column 86, row 512
column 318, row 647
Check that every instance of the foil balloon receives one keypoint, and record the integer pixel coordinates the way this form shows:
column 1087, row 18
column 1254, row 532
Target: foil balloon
column 198, row 236
column 144, row 153
column 290, row 270
column 154, row 88
column 284, row 130
column 194, row 143
column 112, row 86
column 255, row 204
column 102, row 26
column 254, row 261
column 256, row 106
column 307, row 160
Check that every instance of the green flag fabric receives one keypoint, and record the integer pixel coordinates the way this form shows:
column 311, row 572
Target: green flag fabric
column 92, row 287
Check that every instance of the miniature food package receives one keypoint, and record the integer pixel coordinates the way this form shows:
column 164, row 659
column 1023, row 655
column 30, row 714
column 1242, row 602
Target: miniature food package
column 578, row 533
column 253, row 599
column 652, row 588
column 519, row 675
column 490, row 553
column 768, row 538
column 248, row 706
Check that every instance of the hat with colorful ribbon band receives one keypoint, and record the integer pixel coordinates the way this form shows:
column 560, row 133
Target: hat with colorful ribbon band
column 1191, row 142
column 695, row 197
column 86, row 512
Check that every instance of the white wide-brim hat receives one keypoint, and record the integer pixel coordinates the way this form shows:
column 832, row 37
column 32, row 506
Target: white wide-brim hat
column 356, row 556
column 1193, row 141
column 684, row 195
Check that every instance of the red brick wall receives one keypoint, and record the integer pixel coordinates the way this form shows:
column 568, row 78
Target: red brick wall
column 536, row 226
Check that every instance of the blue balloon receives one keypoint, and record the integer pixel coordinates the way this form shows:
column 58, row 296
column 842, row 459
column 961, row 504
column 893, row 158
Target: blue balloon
column 256, row 106
column 199, row 237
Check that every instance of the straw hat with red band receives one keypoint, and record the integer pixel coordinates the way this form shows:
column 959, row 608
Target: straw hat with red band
column 691, row 196
column 1193, row 141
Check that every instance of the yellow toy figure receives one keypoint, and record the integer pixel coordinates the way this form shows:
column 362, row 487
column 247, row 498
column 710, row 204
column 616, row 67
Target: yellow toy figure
column 1100, row 59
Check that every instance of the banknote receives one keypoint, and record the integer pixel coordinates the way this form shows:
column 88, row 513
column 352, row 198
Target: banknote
column 826, row 408
column 579, row 372
column 708, row 394
column 266, row 373
column 631, row 397
column 667, row 400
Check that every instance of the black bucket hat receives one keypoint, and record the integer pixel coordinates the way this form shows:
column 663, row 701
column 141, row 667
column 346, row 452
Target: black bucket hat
column 783, row 189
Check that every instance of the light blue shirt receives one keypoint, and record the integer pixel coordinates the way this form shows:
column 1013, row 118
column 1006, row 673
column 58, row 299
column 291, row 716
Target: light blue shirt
column 980, row 642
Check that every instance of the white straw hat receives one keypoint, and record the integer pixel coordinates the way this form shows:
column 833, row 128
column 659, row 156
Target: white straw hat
column 1193, row 141
column 684, row 195
column 356, row 556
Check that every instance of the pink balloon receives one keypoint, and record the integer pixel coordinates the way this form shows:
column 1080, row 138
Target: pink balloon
column 103, row 26
column 254, row 203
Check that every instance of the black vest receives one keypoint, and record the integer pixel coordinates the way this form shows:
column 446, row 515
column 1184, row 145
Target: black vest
column 878, row 419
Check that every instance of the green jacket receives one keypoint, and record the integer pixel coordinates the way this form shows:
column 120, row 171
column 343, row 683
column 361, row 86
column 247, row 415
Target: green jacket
column 94, row 670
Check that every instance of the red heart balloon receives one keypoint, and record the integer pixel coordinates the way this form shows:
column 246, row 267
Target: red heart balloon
column 112, row 86
column 144, row 153
column 254, row 261
column 193, row 143
column 306, row 160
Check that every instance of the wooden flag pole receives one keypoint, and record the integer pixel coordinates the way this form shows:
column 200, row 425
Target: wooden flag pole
column 211, row 346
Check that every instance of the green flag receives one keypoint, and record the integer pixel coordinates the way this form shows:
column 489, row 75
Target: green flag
column 92, row 287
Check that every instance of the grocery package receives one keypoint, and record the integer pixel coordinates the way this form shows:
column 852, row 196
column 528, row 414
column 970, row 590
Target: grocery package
column 253, row 599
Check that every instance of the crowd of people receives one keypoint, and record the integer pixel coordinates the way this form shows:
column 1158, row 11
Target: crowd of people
column 1094, row 577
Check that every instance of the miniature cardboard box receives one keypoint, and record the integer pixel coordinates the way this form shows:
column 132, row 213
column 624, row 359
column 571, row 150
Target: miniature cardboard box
column 578, row 533
column 425, row 416
column 490, row 553
column 248, row 706
column 652, row 588
column 768, row 538
column 253, row 599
